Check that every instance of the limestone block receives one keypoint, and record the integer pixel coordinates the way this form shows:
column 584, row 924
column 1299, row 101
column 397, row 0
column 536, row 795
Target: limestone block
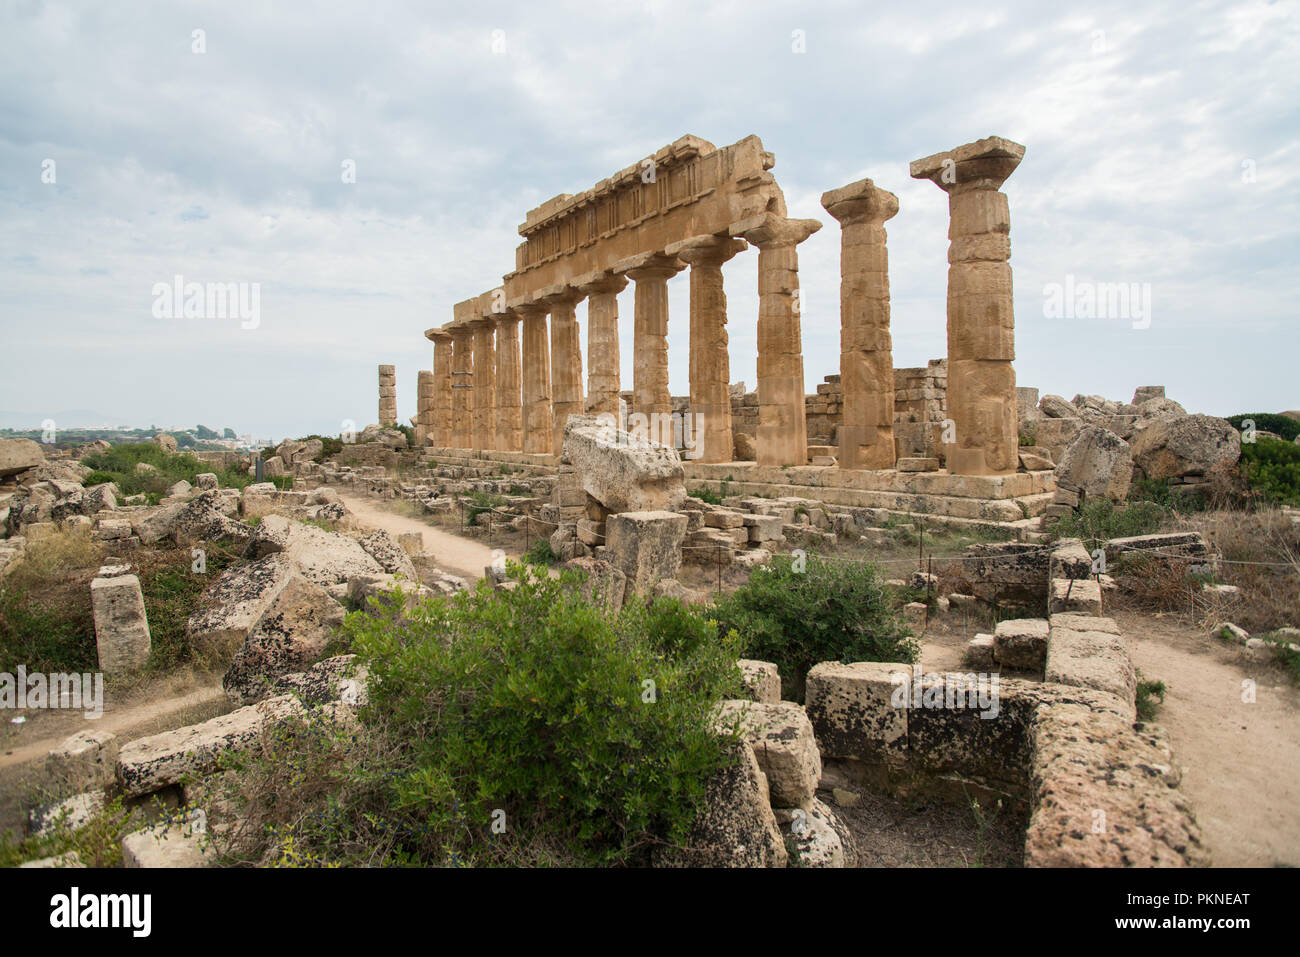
column 235, row 603
column 1096, row 463
column 1081, row 595
column 783, row 741
column 815, row 836
column 1021, row 643
column 1090, row 658
column 624, row 472
column 852, row 709
column 83, row 762
column 290, row 635
column 646, row 546
column 762, row 679
column 979, row 653
column 181, row 844
column 121, row 629
column 736, row 828
column 19, row 455
column 1176, row 446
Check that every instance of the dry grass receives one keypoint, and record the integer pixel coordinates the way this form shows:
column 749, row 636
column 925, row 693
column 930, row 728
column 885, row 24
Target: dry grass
column 1261, row 556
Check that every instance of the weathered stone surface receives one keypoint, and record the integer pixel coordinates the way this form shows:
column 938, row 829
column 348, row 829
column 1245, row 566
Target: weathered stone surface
column 852, row 709
column 1102, row 795
column 326, row 558
column 762, row 679
column 623, row 471
column 155, row 525
column 1176, row 446
column 1144, row 392
column 646, row 546
column 1079, row 595
column 603, row 582
column 340, row 678
column 1057, row 407
column 206, row 481
column 83, row 762
column 121, row 629
column 235, row 602
column 1021, row 643
column 815, row 836
column 736, row 827
column 1096, row 463
column 1090, row 658
column 72, row 813
column 290, row 635
column 165, row 442
column 148, row 764
column 783, row 741
column 181, row 844
column 206, row 518
column 392, row 558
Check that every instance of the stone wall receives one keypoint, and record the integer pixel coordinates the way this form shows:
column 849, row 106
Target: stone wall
column 920, row 406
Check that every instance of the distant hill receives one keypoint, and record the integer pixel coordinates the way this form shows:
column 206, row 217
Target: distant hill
column 64, row 419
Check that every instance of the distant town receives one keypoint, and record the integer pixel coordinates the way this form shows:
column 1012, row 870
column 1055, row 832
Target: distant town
column 198, row 438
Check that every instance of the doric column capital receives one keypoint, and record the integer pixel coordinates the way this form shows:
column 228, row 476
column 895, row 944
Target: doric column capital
column 436, row 334
column 600, row 282
column 527, row 305
column 984, row 164
column 707, row 250
column 558, row 295
column 648, row 266
column 770, row 231
column 860, row 202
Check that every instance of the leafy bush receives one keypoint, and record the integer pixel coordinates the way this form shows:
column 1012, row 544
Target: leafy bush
column 532, row 703
column 1150, row 696
column 541, row 553
column 828, row 611
column 1272, row 469
column 1282, row 425
column 118, row 465
column 1101, row 520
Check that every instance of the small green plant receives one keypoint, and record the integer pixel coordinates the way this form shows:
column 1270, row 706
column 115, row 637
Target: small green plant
column 1150, row 696
column 541, row 553
column 797, row 612
column 1272, row 470
column 1100, row 520
column 705, row 494
column 984, row 822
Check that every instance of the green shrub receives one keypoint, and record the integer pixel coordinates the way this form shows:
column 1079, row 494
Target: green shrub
column 541, row 553
column 1282, row 425
column 829, row 611
column 118, row 465
column 705, row 494
column 532, row 702
column 1101, row 520
column 1272, row 470
column 1150, row 696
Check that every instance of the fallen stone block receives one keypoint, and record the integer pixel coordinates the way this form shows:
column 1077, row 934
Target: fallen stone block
column 235, row 602
column 646, row 546
column 180, row 844
column 1021, row 643
column 72, row 813
column 85, row 761
column 121, row 629
column 1079, row 595
column 762, row 679
column 1090, row 659
column 854, row 709
column 783, row 741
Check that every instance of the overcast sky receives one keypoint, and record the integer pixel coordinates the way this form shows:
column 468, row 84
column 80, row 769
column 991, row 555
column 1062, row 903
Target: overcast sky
column 1161, row 148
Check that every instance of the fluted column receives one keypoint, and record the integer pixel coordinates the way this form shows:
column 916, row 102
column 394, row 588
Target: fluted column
column 782, row 429
column 440, row 409
column 710, row 361
column 650, row 395
column 866, row 434
column 981, row 320
column 566, row 359
column 485, row 383
column 536, row 356
column 509, row 424
column 462, row 384
column 603, row 377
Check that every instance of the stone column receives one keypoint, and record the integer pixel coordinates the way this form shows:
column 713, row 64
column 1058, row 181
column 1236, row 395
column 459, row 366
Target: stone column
column 782, row 430
column 537, row 378
column 981, row 321
column 440, row 410
column 510, row 423
column 566, row 359
column 710, row 427
column 866, row 435
column 462, row 384
column 424, row 405
column 387, row 396
column 603, row 380
column 650, row 395
column 485, row 384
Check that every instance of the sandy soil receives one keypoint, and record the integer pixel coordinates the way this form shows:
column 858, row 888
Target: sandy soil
column 451, row 553
column 1239, row 760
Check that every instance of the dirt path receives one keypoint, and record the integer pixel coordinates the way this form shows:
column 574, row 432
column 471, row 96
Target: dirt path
column 1239, row 760
column 451, row 553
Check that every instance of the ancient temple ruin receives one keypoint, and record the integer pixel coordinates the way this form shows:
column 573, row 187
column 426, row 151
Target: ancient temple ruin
column 507, row 370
